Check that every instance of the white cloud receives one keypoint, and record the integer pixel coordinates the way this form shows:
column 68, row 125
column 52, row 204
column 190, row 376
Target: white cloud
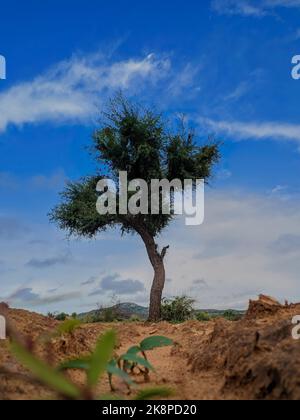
column 248, row 244
column 236, row 251
column 73, row 90
column 254, row 130
column 254, row 8
column 53, row 181
column 238, row 92
column 185, row 79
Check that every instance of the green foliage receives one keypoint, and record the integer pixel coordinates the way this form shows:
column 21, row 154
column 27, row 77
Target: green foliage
column 45, row 373
column 178, row 309
column 138, row 141
column 101, row 357
column 68, row 326
column 203, row 317
column 155, row 342
column 154, row 393
column 61, row 317
column 132, row 359
column 231, row 315
column 80, row 364
column 109, row 314
column 94, row 365
column 135, row 318
column 136, row 360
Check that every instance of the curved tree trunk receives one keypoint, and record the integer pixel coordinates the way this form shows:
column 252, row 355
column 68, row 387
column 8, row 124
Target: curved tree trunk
column 157, row 260
column 156, row 292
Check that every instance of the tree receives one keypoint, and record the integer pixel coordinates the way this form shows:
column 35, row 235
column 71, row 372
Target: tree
column 138, row 141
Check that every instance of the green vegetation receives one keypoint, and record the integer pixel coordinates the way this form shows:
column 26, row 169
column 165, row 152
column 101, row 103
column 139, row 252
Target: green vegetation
column 68, row 326
column 61, row 317
column 135, row 359
column 203, row 316
column 115, row 312
column 178, row 309
column 99, row 362
column 231, row 315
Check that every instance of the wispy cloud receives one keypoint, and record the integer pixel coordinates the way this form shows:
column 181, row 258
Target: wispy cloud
column 73, row 90
column 185, row 80
column 254, row 8
column 28, row 296
column 11, row 228
column 254, row 130
column 114, row 283
column 53, row 181
column 49, row 262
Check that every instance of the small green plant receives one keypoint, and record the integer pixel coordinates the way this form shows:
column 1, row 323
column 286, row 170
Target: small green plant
column 61, row 317
column 95, row 366
column 132, row 360
column 178, row 309
column 125, row 365
column 203, row 317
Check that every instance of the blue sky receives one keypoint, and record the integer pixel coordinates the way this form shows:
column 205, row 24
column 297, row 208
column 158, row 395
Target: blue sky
column 225, row 64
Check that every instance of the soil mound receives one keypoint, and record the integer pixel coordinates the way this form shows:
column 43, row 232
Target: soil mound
column 257, row 355
column 254, row 358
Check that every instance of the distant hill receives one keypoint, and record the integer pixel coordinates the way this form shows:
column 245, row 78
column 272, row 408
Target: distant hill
column 216, row 312
column 124, row 311
column 128, row 310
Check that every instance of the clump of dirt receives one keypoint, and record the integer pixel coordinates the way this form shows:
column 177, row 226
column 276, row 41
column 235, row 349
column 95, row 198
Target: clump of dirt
column 257, row 355
column 255, row 358
column 265, row 306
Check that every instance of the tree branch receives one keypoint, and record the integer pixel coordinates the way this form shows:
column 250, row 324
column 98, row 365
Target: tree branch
column 164, row 251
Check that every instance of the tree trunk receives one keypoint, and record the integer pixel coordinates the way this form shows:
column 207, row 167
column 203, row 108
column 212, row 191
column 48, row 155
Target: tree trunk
column 157, row 261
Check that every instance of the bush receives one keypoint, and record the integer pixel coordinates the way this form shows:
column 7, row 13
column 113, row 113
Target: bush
column 109, row 315
column 61, row 317
column 178, row 309
column 232, row 315
column 203, row 317
column 135, row 318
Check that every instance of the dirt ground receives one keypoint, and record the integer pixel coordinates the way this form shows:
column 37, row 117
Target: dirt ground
column 255, row 358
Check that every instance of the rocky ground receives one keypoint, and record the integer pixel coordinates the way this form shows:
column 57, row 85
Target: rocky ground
column 255, row 358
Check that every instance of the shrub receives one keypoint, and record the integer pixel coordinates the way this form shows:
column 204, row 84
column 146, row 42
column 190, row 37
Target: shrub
column 109, row 315
column 203, row 317
column 232, row 315
column 61, row 317
column 135, row 318
column 178, row 309
column 68, row 326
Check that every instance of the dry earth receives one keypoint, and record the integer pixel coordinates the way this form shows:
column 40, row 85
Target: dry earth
column 255, row 358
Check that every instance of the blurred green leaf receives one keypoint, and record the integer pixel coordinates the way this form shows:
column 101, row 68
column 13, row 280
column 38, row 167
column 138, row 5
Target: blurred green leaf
column 82, row 364
column 131, row 357
column 155, row 342
column 109, row 397
column 101, row 357
column 134, row 350
column 45, row 373
column 115, row 370
column 68, row 326
column 153, row 393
